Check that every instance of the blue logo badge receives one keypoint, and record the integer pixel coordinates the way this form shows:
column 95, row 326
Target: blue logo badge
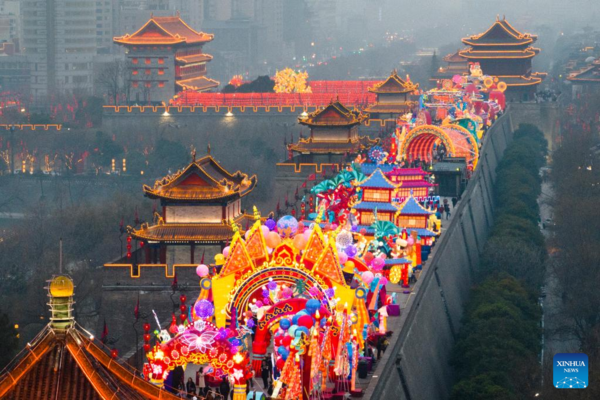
column 570, row 371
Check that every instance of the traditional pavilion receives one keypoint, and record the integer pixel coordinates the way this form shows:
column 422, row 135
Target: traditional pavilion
column 198, row 206
column 504, row 52
column 164, row 57
column 65, row 362
column 333, row 135
column 392, row 97
column 455, row 65
column 377, row 196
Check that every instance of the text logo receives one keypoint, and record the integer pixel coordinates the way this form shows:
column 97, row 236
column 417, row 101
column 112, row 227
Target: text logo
column 570, row 371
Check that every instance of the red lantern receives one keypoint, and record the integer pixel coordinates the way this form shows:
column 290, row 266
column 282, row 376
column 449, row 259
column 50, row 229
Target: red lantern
column 128, row 239
column 182, row 317
column 114, row 353
column 182, row 298
column 146, row 327
column 128, row 255
column 147, row 347
column 141, row 244
column 183, row 308
column 146, row 337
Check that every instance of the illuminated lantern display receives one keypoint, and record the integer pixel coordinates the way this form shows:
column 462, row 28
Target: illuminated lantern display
column 291, row 292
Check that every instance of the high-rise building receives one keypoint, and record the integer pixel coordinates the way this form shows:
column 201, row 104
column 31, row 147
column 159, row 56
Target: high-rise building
column 59, row 38
column 105, row 19
column 9, row 20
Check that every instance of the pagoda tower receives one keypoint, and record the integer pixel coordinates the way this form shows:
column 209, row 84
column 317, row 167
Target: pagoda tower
column 333, row 135
column 506, row 53
column 164, row 57
column 413, row 217
column 333, row 141
column 198, row 206
column 392, row 97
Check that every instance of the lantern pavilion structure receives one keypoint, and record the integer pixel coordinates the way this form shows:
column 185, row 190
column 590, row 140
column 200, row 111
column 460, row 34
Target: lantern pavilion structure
column 376, row 202
column 407, row 180
column 392, row 97
column 64, row 361
column 198, row 206
column 504, row 52
column 413, row 217
column 165, row 56
column 455, row 65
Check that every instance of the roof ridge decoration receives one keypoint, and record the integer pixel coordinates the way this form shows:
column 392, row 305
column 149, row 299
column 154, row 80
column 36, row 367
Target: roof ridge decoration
column 394, row 81
column 164, row 33
column 226, row 185
column 505, row 31
column 345, row 116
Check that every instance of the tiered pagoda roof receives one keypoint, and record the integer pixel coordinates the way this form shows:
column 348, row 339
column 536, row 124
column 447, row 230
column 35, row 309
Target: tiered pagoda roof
column 164, row 31
column 64, row 362
column 395, row 91
column 503, row 42
column 199, row 83
column 191, row 232
column 501, row 33
column 349, row 146
column 334, row 115
column 394, row 85
column 203, row 181
column 589, row 74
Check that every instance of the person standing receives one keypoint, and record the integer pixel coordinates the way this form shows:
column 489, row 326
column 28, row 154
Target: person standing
column 447, row 209
column 224, row 387
column 265, row 373
column 201, row 382
column 454, row 201
column 190, row 388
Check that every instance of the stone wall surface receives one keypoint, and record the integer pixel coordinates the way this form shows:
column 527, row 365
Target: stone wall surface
column 416, row 364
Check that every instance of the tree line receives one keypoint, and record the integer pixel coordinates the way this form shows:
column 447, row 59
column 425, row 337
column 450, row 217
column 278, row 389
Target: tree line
column 497, row 349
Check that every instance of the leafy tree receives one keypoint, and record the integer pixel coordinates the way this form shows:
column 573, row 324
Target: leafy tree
column 9, row 340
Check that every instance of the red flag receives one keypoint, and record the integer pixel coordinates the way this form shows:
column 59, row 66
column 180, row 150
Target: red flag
column 136, row 310
column 104, row 335
column 312, row 177
column 323, row 173
column 303, row 185
column 296, row 194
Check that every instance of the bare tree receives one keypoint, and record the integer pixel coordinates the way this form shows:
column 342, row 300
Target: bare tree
column 114, row 80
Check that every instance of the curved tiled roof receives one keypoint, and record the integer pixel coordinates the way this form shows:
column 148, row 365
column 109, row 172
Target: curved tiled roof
column 394, row 84
column 501, row 33
column 202, row 180
column 164, row 30
column 334, row 114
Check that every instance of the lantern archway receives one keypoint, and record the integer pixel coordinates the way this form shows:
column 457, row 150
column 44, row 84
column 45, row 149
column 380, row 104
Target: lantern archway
column 420, row 142
column 290, row 277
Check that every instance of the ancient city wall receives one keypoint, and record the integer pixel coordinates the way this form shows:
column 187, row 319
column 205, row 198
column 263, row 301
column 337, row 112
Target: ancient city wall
column 416, row 365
